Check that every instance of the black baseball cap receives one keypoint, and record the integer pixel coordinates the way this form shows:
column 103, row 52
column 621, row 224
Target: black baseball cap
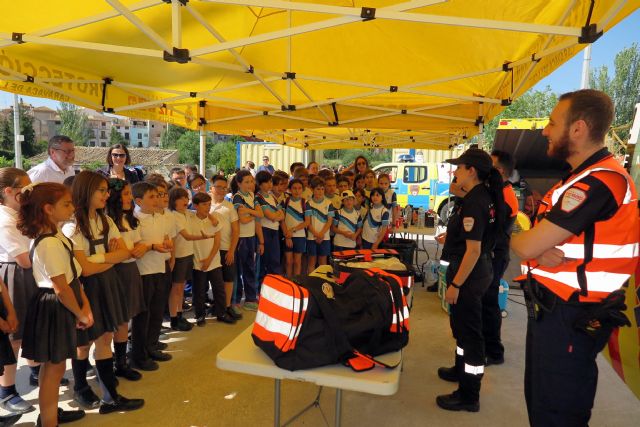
column 481, row 160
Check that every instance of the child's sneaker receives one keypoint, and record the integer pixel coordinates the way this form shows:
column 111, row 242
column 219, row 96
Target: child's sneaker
column 251, row 306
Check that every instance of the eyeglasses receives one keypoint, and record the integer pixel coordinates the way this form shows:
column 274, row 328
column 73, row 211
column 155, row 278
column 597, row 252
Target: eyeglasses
column 66, row 152
column 162, row 194
column 119, row 155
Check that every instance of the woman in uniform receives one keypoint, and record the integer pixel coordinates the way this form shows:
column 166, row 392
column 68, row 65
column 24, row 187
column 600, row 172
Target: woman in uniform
column 468, row 244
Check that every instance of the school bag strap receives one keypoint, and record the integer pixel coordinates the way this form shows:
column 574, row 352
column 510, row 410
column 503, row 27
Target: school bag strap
column 69, row 249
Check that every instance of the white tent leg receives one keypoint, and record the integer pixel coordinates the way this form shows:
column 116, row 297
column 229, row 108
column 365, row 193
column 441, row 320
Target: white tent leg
column 203, row 150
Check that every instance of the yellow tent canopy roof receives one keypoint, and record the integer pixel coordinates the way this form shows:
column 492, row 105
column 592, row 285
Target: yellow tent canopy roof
column 419, row 73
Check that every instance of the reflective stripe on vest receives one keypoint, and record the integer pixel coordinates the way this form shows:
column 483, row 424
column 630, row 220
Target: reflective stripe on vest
column 606, row 263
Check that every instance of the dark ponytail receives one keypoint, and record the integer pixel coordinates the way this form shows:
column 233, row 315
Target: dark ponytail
column 494, row 183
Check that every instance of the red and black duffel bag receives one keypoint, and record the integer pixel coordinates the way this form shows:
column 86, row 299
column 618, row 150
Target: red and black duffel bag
column 318, row 322
column 344, row 263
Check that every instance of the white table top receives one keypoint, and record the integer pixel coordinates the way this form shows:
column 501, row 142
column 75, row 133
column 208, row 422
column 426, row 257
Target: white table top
column 242, row 355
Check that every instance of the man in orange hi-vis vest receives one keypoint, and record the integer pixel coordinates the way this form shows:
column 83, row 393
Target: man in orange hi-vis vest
column 582, row 250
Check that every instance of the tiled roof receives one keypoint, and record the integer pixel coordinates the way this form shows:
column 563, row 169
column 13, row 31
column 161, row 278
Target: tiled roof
column 139, row 156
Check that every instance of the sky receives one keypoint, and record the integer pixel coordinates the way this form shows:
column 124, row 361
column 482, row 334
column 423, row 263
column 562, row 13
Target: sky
column 564, row 79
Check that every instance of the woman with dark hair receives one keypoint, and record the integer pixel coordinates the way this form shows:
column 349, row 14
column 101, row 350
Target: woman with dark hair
column 118, row 160
column 359, row 166
column 469, row 241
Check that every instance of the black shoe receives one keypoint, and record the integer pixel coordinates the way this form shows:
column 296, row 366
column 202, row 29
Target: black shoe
column 9, row 420
column 201, row 321
column 448, row 374
column 231, row 312
column 86, row 398
column 69, row 416
column 33, row 381
column 145, row 365
column 121, row 404
column 186, row 307
column 433, row 288
column 18, row 406
column 184, row 324
column 494, row 360
column 126, row 372
column 453, row 402
column 160, row 356
column 226, row 319
column 162, row 346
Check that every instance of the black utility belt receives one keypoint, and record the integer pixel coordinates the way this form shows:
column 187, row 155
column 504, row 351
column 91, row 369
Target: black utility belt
column 458, row 258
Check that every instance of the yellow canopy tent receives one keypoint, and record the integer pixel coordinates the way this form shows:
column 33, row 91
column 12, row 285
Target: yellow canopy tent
column 315, row 74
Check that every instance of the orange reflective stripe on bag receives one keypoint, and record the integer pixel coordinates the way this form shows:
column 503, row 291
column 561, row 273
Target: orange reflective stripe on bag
column 281, row 311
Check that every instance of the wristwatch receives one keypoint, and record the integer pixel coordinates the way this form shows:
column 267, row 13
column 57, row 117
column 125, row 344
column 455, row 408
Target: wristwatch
column 454, row 285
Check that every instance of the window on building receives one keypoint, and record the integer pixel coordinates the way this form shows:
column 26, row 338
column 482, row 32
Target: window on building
column 104, row 124
column 139, row 144
column 139, row 136
column 126, row 136
column 103, row 134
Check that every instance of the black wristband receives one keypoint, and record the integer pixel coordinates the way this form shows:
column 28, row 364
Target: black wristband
column 454, row 285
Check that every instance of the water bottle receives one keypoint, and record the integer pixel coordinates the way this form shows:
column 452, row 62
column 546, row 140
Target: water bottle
column 420, row 217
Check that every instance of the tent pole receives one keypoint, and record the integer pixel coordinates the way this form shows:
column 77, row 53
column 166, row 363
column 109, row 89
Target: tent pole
column 17, row 138
column 203, row 146
column 585, row 68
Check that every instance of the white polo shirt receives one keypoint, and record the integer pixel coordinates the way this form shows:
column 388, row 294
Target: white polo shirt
column 202, row 248
column 51, row 259
column 226, row 214
column 152, row 231
column 81, row 243
column 48, row 171
column 12, row 241
column 183, row 221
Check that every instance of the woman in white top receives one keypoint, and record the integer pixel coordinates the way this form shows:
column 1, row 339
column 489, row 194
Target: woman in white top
column 98, row 246
column 60, row 304
column 120, row 209
column 16, row 273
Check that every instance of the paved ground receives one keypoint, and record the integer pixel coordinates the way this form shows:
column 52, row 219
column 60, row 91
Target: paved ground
column 191, row 391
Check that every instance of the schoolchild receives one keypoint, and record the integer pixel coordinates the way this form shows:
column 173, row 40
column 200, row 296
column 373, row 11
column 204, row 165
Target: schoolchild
column 330, row 192
column 169, row 227
column 120, row 210
column 60, row 304
column 8, row 325
column 303, row 175
column 376, row 221
column 361, row 204
column 384, row 181
column 270, row 224
column 293, row 227
column 183, row 267
column 359, row 183
column 207, row 266
column 280, row 182
column 16, row 273
column 320, row 212
column 369, row 182
column 342, row 182
column 350, row 176
column 347, row 224
column 98, row 246
column 144, row 334
column 229, row 235
column 247, row 207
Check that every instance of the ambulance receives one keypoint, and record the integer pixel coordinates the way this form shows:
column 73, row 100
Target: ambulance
column 421, row 185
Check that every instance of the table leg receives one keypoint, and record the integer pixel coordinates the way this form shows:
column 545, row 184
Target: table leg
column 338, row 407
column 276, row 409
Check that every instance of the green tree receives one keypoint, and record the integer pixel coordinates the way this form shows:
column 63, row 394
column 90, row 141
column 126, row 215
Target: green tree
column 223, row 154
column 170, row 137
column 532, row 104
column 623, row 87
column 74, row 123
column 188, row 146
column 6, row 133
column 116, row 137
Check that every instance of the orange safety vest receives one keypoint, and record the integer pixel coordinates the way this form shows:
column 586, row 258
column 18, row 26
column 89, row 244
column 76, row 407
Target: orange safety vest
column 604, row 256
